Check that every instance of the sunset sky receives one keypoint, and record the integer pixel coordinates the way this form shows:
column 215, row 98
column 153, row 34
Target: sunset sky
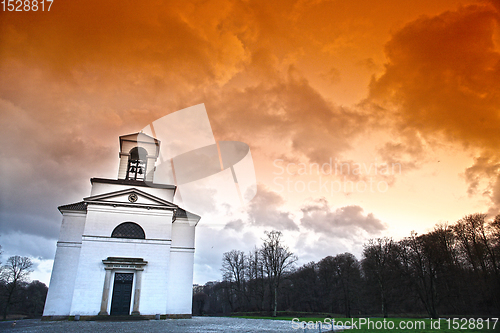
column 365, row 84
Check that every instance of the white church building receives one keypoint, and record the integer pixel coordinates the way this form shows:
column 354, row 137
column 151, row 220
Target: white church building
column 126, row 249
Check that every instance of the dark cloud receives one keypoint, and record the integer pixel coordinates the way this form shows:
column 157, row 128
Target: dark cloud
column 154, row 37
column 332, row 76
column 368, row 63
column 483, row 178
column 344, row 222
column 236, row 225
column 264, row 211
column 408, row 153
column 441, row 77
column 494, row 185
column 441, row 83
column 22, row 244
column 483, row 167
column 288, row 109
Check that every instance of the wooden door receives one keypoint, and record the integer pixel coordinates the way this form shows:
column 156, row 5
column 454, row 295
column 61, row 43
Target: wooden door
column 122, row 294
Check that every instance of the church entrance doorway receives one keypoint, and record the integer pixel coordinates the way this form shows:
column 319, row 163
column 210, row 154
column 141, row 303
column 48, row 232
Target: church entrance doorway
column 122, row 293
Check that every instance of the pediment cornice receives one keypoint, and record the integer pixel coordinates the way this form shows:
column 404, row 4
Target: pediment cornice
column 130, row 197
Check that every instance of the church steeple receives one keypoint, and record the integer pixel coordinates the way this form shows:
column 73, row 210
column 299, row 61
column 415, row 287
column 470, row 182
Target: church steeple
column 138, row 154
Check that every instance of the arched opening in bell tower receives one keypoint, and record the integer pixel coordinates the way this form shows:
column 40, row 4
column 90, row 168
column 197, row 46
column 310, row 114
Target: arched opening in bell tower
column 137, row 163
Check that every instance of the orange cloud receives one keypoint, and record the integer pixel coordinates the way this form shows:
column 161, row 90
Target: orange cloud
column 442, row 77
column 441, row 81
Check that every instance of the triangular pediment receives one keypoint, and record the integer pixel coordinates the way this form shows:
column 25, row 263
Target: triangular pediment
column 130, row 197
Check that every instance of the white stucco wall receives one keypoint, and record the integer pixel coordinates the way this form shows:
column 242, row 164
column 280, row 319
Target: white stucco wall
column 180, row 284
column 183, row 234
column 72, row 226
column 97, row 245
column 91, row 273
column 62, row 280
column 181, row 268
column 102, row 220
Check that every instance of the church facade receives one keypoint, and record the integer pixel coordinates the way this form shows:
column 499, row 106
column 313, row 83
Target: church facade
column 126, row 249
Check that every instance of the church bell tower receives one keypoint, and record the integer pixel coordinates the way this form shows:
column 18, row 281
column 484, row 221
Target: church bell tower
column 138, row 154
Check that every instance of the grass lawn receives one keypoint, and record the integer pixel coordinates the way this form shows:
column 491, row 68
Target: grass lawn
column 393, row 324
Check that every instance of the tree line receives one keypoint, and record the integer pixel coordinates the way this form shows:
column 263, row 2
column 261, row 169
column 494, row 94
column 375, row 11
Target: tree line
column 451, row 270
column 18, row 296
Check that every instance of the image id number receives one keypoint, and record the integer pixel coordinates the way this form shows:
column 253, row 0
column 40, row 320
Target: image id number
column 26, row 5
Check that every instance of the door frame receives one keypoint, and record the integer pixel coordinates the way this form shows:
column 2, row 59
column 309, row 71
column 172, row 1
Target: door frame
column 113, row 265
column 132, row 294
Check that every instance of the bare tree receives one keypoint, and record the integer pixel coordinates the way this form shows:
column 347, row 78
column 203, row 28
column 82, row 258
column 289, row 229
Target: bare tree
column 277, row 260
column 303, row 289
column 421, row 267
column 347, row 272
column 255, row 276
column 327, row 280
column 473, row 238
column 199, row 303
column 380, row 265
column 495, row 237
column 476, row 238
column 233, row 266
column 233, row 271
column 15, row 272
column 33, row 298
